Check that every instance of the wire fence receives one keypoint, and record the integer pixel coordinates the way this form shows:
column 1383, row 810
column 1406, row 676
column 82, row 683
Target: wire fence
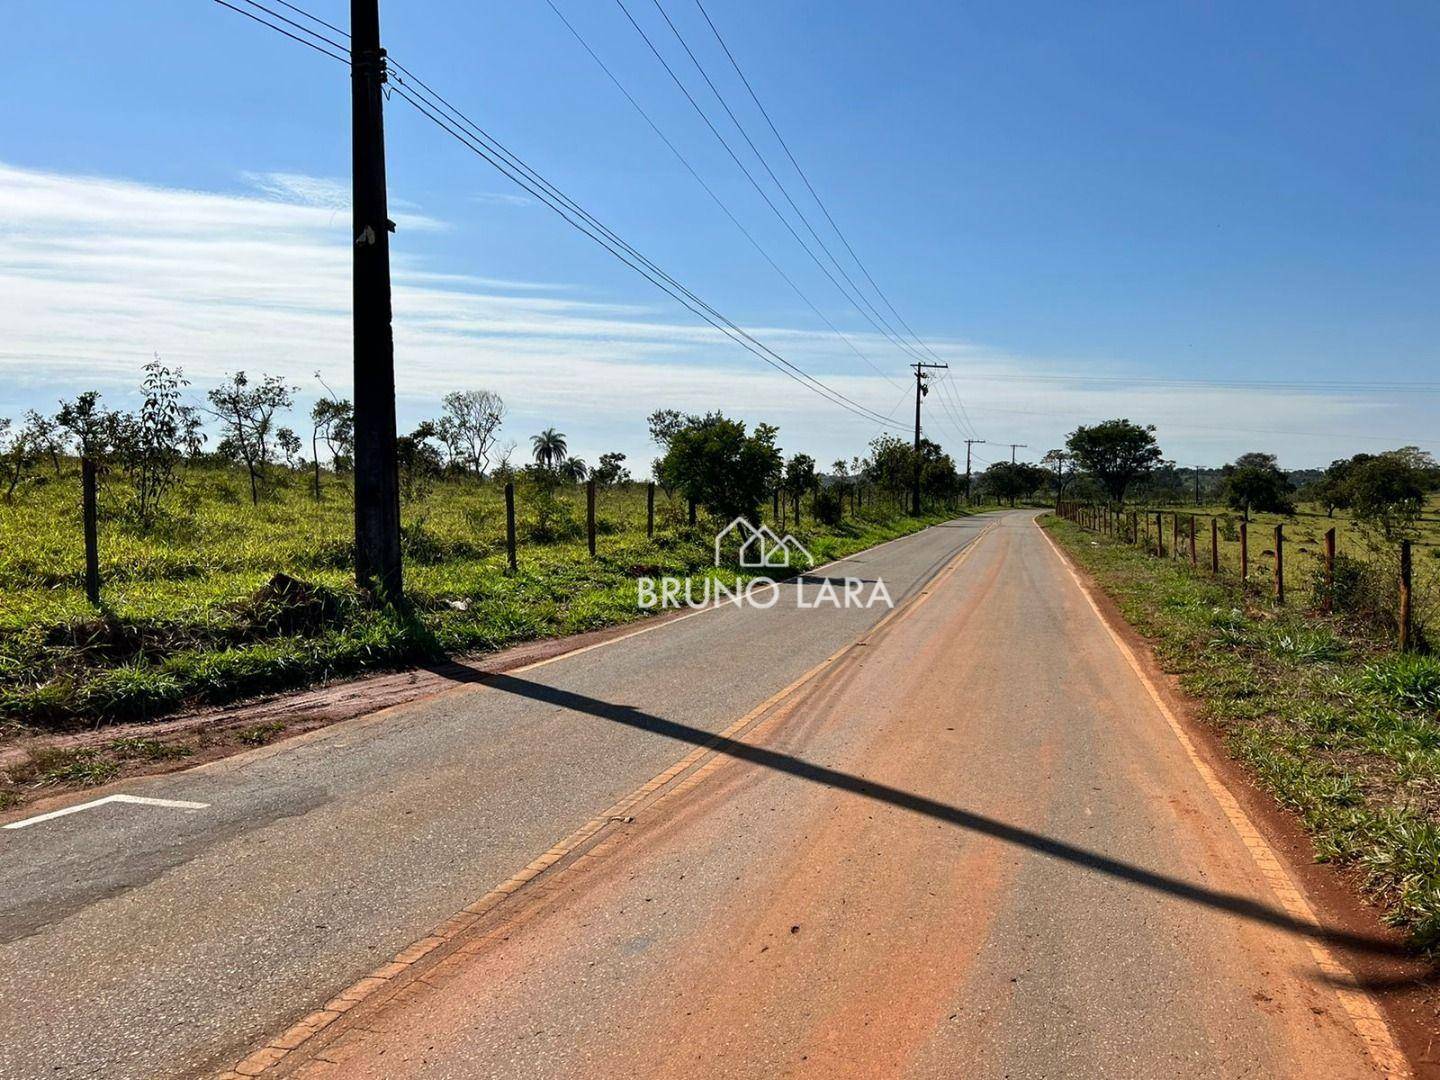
column 1387, row 585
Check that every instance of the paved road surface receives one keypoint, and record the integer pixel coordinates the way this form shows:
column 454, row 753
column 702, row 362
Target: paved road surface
column 972, row 846
column 139, row 941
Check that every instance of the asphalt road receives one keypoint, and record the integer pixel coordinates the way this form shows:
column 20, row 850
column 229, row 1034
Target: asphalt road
column 976, row 845
column 141, row 941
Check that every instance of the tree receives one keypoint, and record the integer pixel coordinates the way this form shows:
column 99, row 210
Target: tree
column 891, row 465
column 290, row 445
column 713, row 462
column 246, row 413
column 469, row 427
column 87, row 423
column 573, row 469
column 45, row 437
column 1116, row 453
column 1332, row 490
column 800, row 474
column 1056, row 460
column 332, row 420
column 158, row 437
column 1254, row 482
column 17, row 455
column 549, row 447
column 1387, row 491
column 611, row 470
column 418, row 461
column 1013, row 480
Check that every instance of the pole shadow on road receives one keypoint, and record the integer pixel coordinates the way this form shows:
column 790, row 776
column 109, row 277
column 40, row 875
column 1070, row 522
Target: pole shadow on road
column 1242, row 906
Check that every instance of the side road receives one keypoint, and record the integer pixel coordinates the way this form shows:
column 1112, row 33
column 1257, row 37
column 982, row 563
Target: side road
column 145, row 940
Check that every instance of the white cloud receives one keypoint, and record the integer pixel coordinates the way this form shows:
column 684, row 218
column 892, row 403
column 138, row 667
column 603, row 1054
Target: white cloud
column 496, row 198
column 97, row 274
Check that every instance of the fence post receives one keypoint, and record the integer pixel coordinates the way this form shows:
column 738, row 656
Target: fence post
column 590, row 515
column 510, row 525
column 1327, row 602
column 1405, row 616
column 1214, row 545
column 650, row 509
column 1175, row 535
column 692, row 511
column 775, row 505
column 1134, row 527
column 92, row 543
column 1194, row 555
column 1280, row 564
column 1159, row 535
column 1244, row 551
column 797, row 509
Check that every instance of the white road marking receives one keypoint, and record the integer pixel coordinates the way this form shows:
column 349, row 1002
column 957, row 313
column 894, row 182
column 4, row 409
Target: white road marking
column 179, row 804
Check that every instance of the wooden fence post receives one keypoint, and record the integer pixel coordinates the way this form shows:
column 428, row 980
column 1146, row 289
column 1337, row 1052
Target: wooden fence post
column 1134, row 527
column 797, row 509
column 1406, row 626
column 691, row 511
column 1175, row 535
column 590, row 515
column 92, row 543
column 1244, row 551
column 1327, row 602
column 1215, row 545
column 1280, row 564
column 1159, row 535
column 775, row 505
column 1194, row 554
column 510, row 525
column 650, row 509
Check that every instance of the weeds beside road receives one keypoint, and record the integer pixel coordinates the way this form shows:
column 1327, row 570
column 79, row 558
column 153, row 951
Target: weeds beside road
column 1340, row 728
column 194, row 613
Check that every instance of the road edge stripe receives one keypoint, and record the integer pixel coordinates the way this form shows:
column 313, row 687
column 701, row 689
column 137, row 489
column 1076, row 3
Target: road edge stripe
column 1360, row 1008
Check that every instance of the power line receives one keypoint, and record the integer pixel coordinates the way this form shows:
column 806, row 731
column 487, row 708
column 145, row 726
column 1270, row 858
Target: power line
column 808, row 185
column 710, row 191
column 281, row 30
column 784, row 191
column 491, row 150
column 755, row 183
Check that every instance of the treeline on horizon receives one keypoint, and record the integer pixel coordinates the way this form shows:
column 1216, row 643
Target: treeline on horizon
column 713, row 461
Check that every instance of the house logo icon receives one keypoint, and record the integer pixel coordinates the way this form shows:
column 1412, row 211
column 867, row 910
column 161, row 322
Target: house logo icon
column 760, row 548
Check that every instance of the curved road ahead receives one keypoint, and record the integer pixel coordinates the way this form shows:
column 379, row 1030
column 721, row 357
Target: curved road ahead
column 963, row 839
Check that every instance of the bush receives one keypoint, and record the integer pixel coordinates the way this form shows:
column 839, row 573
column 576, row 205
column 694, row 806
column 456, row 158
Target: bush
column 829, row 505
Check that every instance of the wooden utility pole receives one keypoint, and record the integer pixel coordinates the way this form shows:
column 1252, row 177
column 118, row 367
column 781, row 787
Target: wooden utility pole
column 920, row 391
column 1016, row 446
column 969, row 443
column 377, row 487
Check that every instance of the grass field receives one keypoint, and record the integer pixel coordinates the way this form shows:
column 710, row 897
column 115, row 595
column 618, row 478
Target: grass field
column 1341, row 728
column 1304, row 535
column 187, row 618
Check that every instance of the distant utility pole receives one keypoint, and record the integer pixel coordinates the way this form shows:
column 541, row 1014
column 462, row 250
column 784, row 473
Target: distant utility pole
column 920, row 391
column 377, row 487
column 969, row 443
column 1016, row 446
column 1197, row 485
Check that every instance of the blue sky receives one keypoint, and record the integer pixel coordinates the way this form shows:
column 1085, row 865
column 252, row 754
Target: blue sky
column 1063, row 199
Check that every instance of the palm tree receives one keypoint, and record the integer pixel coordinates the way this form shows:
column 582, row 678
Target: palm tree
column 573, row 468
column 550, row 447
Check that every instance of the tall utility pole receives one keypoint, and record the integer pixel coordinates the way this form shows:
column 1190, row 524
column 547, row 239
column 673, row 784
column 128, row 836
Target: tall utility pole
column 969, row 443
column 1197, row 485
column 1016, row 446
column 920, row 391
column 377, row 486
